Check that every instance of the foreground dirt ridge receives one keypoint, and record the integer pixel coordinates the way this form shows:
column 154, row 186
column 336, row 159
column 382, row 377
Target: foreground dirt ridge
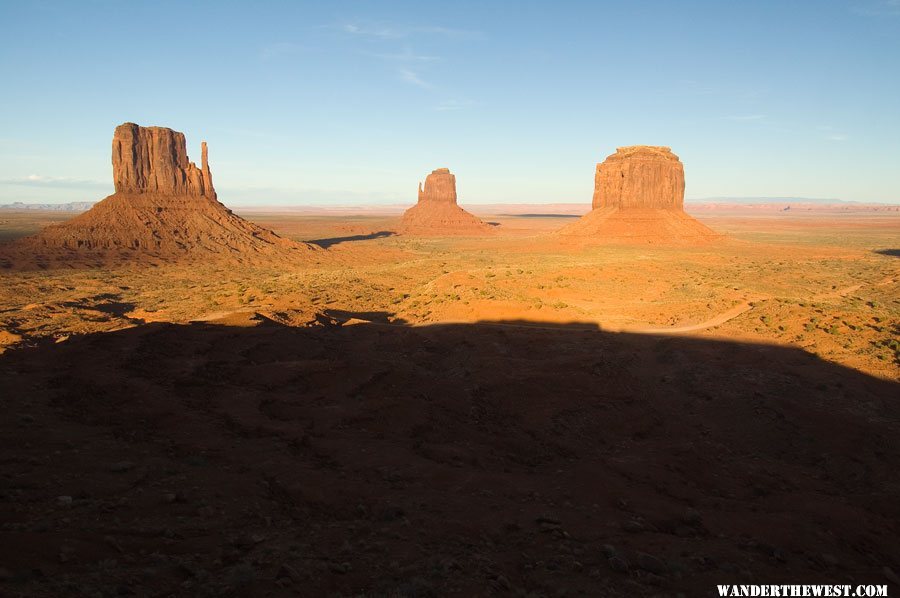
column 231, row 460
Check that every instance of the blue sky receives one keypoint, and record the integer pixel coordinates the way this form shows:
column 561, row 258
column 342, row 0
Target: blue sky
column 353, row 103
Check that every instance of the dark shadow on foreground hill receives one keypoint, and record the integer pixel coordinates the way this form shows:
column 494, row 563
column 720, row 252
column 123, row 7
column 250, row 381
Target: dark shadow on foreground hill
column 416, row 461
column 889, row 252
column 326, row 243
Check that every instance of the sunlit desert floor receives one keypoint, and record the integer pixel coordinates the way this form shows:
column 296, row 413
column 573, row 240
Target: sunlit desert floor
column 826, row 283
column 505, row 415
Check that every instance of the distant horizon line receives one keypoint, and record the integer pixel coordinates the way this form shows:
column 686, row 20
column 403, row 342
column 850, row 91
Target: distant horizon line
column 725, row 200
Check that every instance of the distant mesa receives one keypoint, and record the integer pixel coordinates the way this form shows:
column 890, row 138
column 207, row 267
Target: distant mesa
column 437, row 214
column 164, row 207
column 72, row 206
column 639, row 198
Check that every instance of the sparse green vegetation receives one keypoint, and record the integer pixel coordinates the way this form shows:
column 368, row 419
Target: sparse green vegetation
column 801, row 300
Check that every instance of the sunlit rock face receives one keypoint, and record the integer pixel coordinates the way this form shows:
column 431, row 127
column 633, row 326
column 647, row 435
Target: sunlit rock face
column 165, row 208
column 440, row 186
column 640, row 176
column 155, row 160
column 436, row 212
column 639, row 198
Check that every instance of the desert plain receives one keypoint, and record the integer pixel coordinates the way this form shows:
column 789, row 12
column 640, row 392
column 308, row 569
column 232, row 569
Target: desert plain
column 504, row 414
column 822, row 279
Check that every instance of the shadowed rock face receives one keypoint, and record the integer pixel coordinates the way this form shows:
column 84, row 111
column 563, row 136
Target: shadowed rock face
column 154, row 160
column 640, row 176
column 440, row 186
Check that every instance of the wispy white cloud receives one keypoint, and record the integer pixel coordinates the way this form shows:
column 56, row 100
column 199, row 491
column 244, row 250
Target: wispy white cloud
column 407, row 64
column 392, row 31
column 279, row 49
column 407, row 55
column 37, row 180
column 449, row 105
column 447, row 31
column 380, row 31
column 878, row 8
column 413, row 78
column 831, row 133
column 690, row 87
column 745, row 117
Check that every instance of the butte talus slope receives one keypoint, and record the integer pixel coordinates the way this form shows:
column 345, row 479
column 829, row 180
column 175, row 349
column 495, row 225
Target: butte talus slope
column 164, row 208
column 639, row 198
column 437, row 214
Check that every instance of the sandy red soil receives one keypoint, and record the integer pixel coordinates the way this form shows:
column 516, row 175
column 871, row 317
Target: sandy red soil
column 430, row 417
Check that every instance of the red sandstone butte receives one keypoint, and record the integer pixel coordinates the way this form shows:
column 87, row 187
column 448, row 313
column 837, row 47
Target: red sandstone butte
column 640, row 176
column 164, row 207
column 437, row 214
column 639, row 198
column 154, row 160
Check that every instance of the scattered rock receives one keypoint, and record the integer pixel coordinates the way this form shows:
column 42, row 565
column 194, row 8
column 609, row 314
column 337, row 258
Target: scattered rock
column 354, row 322
column 633, row 526
column 286, row 571
column 650, row 563
column 41, row 526
column 546, row 526
column 65, row 554
column 618, row 563
column 692, row 517
column 728, row 567
column 241, row 575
